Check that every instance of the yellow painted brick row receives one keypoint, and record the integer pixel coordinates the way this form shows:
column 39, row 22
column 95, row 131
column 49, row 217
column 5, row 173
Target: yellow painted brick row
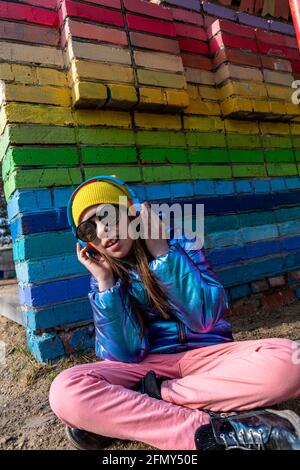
column 157, row 121
column 241, row 127
column 35, row 114
column 59, row 96
column 204, row 124
column 87, row 117
column 115, row 95
column 25, row 53
column 32, row 75
column 81, row 70
column 88, row 94
column 236, row 106
column 204, row 107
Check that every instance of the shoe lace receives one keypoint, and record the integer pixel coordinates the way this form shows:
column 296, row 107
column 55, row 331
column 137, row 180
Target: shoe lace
column 254, row 443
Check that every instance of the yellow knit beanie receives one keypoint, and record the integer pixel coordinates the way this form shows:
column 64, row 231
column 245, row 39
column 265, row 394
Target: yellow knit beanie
column 98, row 192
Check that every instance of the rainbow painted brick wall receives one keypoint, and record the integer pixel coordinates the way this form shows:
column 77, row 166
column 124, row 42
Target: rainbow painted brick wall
column 185, row 100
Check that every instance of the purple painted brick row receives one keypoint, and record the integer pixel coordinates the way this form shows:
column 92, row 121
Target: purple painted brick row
column 245, row 18
column 188, row 4
column 282, row 27
column 217, row 10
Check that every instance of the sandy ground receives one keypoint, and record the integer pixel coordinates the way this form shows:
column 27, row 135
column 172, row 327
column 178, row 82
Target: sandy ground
column 26, row 421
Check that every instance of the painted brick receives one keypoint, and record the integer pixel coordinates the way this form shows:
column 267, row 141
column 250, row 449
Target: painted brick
column 196, row 61
column 107, row 118
column 126, row 172
column 140, row 23
column 28, row 13
column 278, row 78
column 88, row 94
column 191, row 45
column 105, row 53
column 202, row 77
column 154, row 121
column 33, row 94
column 35, row 114
column 241, row 73
column 177, row 99
column 91, row 31
column 148, row 41
column 163, row 79
column 105, row 155
column 186, row 16
column 28, row 33
column 90, row 12
column 226, row 40
column 95, row 70
column 191, row 32
column 230, row 27
column 159, row 61
column 163, row 155
column 13, row 52
column 121, row 96
column 276, row 64
column 235, row 56
column 148, row 9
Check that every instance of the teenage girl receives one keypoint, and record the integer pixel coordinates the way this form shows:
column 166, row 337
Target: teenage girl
column 169, row 372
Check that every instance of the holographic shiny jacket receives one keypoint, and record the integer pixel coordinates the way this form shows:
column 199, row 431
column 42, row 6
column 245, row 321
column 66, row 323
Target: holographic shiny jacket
column 192, row 286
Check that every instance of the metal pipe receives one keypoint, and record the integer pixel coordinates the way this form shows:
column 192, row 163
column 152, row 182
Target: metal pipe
column 295, row 9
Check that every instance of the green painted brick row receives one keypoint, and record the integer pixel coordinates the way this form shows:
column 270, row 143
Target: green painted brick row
column 41, row 178
column 39, row 156
column 105, row 155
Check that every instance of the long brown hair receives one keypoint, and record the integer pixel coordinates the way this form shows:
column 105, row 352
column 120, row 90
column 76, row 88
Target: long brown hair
column 139, row 258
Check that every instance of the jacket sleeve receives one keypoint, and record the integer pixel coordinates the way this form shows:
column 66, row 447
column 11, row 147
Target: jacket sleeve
column 118, row 331
column 198, row 297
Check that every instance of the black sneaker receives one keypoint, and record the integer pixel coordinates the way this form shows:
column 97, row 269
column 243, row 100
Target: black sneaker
column 85, row 440
column 150, row 384
column 264, row 429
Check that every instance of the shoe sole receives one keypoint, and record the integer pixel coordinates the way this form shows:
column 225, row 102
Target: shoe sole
column 290, row 416
column 76, row 444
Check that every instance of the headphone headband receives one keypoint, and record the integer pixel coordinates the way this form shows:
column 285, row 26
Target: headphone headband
column 111, row 179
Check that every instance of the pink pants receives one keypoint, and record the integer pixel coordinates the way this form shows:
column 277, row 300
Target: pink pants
column 231, row 376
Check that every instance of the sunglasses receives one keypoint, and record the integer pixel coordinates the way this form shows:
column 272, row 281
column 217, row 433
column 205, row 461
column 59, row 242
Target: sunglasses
column 108, row 215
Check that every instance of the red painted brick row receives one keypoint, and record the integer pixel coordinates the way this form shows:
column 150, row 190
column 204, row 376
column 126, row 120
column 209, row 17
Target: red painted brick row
column 148, row 9
column 106, row 3
column 197, row 61
column 222, row 40
column 275, row 38
column 29, row 33
column 156, row 43
column 31, row 14
column 94, row 32
column 277, row 51
column 191, row 45
column 187, row 16
column 140, row 23
column 237, row 57
column 191, row 32
column 97, row 14
column 42, row 3
column 230, row 27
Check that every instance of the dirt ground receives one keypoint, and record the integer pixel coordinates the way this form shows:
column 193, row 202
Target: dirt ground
column 26, row 421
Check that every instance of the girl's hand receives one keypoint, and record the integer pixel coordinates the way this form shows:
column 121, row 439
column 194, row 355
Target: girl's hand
column 98, row 267
column 152, row 223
